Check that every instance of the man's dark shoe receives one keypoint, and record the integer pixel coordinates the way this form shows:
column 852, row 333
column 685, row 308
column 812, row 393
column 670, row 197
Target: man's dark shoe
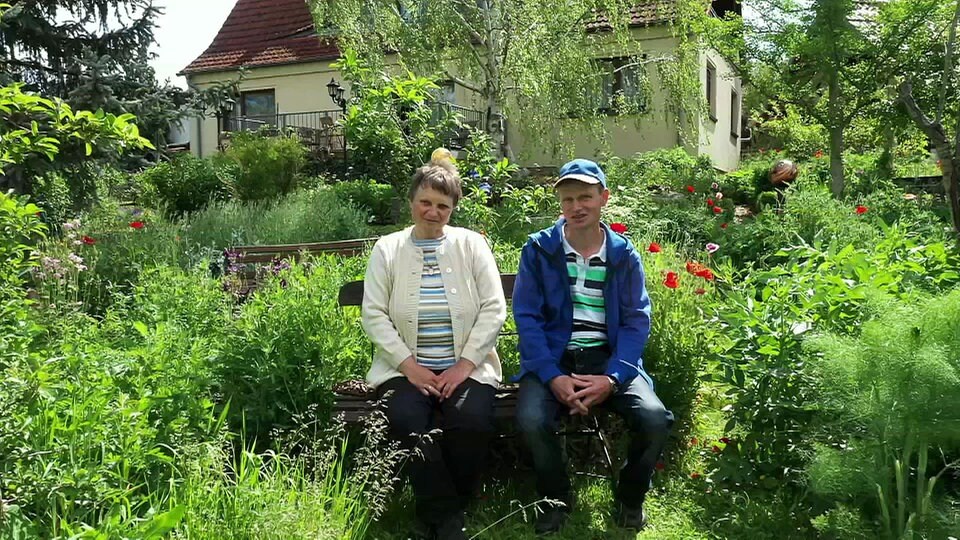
column 451, row 528
column 631, row 517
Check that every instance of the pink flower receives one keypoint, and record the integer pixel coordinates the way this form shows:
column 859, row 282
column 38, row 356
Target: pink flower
column 712, row 248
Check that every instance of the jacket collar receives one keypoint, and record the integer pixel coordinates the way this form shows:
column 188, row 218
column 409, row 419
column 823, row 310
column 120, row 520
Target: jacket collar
column 551, row 241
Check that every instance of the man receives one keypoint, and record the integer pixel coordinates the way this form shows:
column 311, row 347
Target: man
column 583, row 316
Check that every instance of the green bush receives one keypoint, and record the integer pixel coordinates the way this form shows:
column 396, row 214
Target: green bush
column 671, row 168
column 392, row 127
column 265, row 166
column 892, row 394
column 186, row 183
column 292, row 343
column 317, row 215
column 375, row 198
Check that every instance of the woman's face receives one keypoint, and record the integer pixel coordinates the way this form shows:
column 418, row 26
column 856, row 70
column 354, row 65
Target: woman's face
column 431, row 211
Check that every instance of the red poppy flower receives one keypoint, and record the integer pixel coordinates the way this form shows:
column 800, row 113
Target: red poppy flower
column 654, row 247
column 690, row 189
column 672, row 281
column 709, row 202
column 619, row 228
column 818, row 154
column 661, row 466
column 88, row 240
column 137, row 224
column 723, row 225
column 701, row 290
column 861, row 209
column 715, row 449
column 694, row 475
column 717, row 209
column 706, row 274
column 725, row 440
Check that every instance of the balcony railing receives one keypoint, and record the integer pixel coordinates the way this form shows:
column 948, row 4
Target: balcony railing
column 322, row 131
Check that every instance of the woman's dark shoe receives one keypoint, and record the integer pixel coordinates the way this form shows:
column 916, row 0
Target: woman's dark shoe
column 631, row 518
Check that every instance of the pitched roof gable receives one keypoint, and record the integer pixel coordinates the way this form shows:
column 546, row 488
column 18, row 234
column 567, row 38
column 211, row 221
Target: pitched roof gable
column 264, row 33
column 643, row 13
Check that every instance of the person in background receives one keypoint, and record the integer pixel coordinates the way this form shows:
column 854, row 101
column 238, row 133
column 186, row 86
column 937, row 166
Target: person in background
column 433, row 306
column 583, row 318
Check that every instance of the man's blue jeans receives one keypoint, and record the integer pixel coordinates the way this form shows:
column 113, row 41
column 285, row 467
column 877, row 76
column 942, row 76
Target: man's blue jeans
column 648, row 421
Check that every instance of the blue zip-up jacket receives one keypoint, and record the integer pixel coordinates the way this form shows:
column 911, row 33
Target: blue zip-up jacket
column 543, row 306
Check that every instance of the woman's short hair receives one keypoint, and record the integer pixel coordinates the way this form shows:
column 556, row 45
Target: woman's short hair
column 440, row 174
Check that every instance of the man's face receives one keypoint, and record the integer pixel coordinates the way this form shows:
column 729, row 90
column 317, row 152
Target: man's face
column 581, row 203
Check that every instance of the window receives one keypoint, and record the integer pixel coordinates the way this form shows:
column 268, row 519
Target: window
column 259, row 103
column 734, row 114
column 711, row 87
column 621, row 85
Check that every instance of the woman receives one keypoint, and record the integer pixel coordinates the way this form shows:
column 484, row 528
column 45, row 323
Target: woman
column 433, row 306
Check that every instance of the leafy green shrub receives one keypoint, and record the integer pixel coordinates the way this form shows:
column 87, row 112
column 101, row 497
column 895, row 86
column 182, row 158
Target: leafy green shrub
column 671, row 168
column 810, row 215
column 292, row 343
column 392, row 127
column 265, row 166
column 520, row 212
column 375, row 198
column 758, row 349
column 892, row 393
column 304, row 216
column 186, row 183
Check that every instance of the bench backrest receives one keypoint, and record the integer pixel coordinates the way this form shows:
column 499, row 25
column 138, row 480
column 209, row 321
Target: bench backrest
column 351, row 294
column 246, row 262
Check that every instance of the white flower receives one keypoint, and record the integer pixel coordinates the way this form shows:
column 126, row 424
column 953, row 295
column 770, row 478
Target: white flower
column 712, row 248
column 719, row 195
column 714, row 186
column 75, row 259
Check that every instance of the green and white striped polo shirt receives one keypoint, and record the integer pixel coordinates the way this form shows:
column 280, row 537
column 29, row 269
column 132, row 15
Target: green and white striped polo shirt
column 586, row 288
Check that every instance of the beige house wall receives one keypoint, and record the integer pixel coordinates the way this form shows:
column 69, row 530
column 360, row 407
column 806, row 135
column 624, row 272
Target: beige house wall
column 716, row 138
column 621, row 136
column 297, row 88
column 302, row 88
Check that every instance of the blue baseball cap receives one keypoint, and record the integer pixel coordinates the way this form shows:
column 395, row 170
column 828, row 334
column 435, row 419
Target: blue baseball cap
column 582, row 170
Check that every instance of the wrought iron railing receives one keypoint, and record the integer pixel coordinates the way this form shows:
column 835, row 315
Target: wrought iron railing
column 322, row 129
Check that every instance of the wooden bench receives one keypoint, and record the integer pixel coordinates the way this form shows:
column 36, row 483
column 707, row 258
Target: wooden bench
column 354, row 400
column 249, row 264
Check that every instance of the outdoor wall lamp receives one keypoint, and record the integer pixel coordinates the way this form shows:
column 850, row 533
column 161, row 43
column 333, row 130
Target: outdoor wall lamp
column 336, row 94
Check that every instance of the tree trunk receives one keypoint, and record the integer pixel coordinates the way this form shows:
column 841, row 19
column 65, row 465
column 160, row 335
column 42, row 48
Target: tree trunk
column 949, row 157
column 836, row 161
column 951, row 186
column 836, row 136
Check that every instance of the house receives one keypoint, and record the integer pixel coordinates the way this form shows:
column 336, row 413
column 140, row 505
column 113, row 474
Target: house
column 287, row 75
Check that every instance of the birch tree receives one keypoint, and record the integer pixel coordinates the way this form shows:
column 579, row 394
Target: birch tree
column 529, row 62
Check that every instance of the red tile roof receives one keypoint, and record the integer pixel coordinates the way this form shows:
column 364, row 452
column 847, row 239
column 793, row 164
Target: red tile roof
column 644, row 13
column 264, row 33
